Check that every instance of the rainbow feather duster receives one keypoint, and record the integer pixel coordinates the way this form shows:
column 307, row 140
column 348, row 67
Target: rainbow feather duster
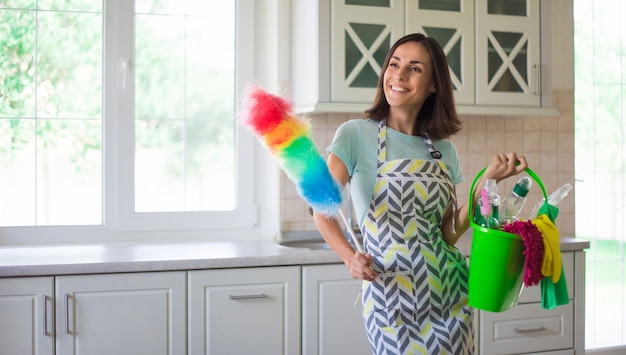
column 288, row 138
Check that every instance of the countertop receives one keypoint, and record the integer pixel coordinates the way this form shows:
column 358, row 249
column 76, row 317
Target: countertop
column 168, row 256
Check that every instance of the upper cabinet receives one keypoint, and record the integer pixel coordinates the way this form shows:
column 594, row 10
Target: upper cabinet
column 508, row 53
column 361, row 33
column 451, row 23
column 493, row 49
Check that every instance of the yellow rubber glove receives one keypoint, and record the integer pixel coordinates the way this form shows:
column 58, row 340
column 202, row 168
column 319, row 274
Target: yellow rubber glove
column 551, row 265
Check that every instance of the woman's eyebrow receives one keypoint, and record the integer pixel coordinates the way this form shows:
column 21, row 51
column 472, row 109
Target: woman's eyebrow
column 410, row 62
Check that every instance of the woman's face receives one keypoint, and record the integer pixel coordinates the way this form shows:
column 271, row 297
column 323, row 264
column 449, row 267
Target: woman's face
column 408, row 79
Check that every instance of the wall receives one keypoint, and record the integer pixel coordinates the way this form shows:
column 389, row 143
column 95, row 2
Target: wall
column 547, row 142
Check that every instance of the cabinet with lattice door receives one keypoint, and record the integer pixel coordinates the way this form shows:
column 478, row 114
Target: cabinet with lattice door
column 493, row 49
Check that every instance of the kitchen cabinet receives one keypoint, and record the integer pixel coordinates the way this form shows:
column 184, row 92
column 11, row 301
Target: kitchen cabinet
column 140, row 313
column 264, row 308
column 452, row 24
column 27, row 316
column 529, row 329
column 337, row 49
column 361, row 34
column 134, row 313
column 508, row 53
column 243, row 311
column 493, row 49
column 331, row 321
column 332, row 325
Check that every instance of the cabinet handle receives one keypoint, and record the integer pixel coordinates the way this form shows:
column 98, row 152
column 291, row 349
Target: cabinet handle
column 530, row 330
column 66, row 300
column 245, row 297
column 537, row 79
column 44, row 300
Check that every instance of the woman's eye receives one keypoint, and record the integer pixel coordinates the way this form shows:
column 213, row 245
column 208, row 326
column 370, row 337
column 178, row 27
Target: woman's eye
column 416, row 69
column 393, row 65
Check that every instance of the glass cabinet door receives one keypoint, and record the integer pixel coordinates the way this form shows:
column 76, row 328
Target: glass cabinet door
column 508, row 58
column 451, row 23
column 362, row 32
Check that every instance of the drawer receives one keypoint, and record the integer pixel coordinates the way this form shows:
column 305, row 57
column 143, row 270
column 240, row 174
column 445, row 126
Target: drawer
column 532, row 294
column 558, row 352
column 527, row 328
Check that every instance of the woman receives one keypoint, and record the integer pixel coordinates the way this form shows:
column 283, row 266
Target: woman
column 402, row 173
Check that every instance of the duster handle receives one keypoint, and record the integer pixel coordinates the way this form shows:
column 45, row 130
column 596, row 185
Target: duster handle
column 355, row 240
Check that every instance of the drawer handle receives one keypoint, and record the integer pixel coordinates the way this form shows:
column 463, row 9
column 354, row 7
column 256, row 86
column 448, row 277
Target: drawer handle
column 245, row 297
column 66, row 300
column 44, row 300
column 530, row 330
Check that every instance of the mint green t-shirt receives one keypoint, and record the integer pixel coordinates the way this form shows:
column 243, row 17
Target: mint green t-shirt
column 356, row 144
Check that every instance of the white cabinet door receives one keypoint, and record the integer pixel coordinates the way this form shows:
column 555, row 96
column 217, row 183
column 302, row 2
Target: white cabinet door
column 362, row 31
column 331, row 322
column 140, row 313
column 508, row 57
column 26, row 316
column 244, row 311
column 451, row 23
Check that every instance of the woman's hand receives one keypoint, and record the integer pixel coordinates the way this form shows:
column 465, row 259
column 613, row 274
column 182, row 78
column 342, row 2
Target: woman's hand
column 505, row 165
column 360, row 267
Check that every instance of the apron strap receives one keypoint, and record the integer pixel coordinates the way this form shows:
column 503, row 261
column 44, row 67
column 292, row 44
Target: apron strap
column 429, row 143
column 382, row 145
column 437, row 156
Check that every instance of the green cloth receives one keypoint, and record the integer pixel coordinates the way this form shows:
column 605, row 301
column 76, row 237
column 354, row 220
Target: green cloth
column 551, row 211
column 553, row 294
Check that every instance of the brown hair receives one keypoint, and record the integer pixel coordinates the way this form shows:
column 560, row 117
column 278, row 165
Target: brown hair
column 438, row 115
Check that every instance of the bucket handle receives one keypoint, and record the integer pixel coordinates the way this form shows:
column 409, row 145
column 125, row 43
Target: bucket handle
column 530, row 173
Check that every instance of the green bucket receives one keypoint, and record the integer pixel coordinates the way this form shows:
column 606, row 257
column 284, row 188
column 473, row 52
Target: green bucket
column 496, row 262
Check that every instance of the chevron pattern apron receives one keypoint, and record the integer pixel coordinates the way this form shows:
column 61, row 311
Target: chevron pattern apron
column 418, row 305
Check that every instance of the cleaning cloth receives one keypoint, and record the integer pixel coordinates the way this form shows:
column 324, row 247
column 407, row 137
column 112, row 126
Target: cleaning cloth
column 551, row 265
column 553, row 285
column 533, row 249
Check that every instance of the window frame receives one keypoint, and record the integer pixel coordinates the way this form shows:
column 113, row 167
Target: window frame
column 120, row 221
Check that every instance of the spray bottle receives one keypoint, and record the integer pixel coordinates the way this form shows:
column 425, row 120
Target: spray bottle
column 554, row 199
column 489, row 205
column 513, row 203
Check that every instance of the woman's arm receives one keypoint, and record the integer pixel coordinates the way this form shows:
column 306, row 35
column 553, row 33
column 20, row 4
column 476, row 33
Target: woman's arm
column 502, row 166
column 329, row 227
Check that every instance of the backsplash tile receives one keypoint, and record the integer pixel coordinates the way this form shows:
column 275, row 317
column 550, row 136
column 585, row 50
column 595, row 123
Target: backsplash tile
column 547, row 142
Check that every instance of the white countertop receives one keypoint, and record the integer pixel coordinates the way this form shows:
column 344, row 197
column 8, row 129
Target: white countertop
column 45, row 260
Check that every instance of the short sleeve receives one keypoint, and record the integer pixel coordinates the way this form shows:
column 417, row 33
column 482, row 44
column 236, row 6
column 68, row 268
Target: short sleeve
column 454, row 166
column 344, row 144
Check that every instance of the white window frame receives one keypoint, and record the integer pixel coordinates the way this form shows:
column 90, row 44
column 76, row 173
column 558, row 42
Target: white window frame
column 127, row 219
column 120, row 221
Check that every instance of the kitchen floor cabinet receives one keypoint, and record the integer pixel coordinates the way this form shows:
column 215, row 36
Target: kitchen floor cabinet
column 27, row 316
column 332, row 323
column 307, row 309
column 244, row 311
column 136, row 313
column 529, row 329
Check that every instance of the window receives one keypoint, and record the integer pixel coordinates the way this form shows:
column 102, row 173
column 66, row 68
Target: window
column 600, row 142
column 122, row 116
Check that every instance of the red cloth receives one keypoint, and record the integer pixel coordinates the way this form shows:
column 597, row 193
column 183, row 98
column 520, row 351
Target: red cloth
column 533, row 241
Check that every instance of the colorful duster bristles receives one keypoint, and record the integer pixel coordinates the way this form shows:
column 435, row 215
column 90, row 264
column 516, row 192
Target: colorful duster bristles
column 288, row 138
